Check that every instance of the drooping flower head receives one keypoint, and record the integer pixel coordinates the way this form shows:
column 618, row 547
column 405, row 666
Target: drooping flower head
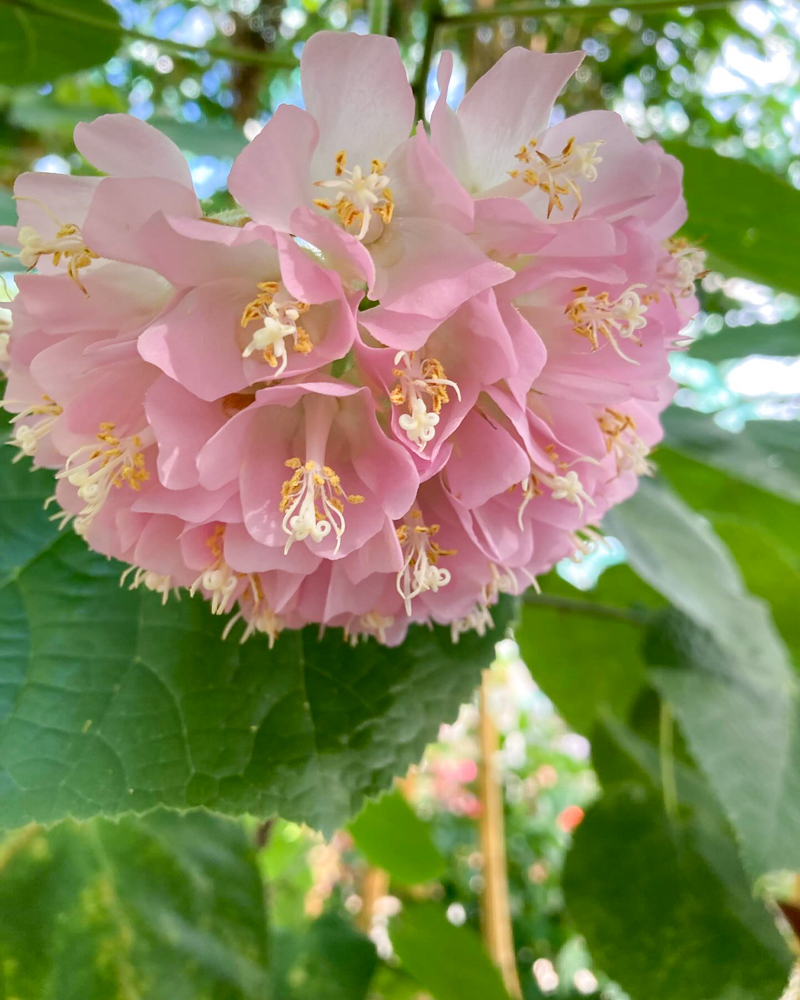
column 222, row 412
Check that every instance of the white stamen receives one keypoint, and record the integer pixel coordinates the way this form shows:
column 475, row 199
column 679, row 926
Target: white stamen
column 558, row 176
column 418, row 380
column 359, row 196
column 279, row 314
column 258, row 615
column 311, row 501
column 478, row 620
column 372, row 624
column 420, row 572
column 152, row 581
column 26, row 437
column 563, row 487
column 595, row 316
column 96, row 470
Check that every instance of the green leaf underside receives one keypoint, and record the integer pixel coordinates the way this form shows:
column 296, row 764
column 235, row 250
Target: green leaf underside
column 665, row 909
column 771, row 339
column 110, row 702
column 720, row 663
column 393, row 838
column 449, row 962
column 764, row 454
column 754, row 235
column 37, row 48
column 168, row 908
column 585, row 666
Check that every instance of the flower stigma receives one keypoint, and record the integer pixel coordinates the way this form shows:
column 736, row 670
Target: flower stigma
column 359, row 197
column 595, row 316
column 559, row 176
column 278, row 313
column 420, row 572
column 311, row 503
column 417, row 380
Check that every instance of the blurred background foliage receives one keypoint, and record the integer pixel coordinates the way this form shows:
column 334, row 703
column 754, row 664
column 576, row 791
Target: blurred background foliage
column 645, row 859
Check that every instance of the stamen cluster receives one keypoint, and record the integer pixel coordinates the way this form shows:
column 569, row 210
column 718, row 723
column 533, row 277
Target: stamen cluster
column 389, row 387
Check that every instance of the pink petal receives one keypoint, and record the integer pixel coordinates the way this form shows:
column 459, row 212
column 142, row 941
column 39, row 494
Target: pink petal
column 121, row 207
column 509, row 106
column 356, row 88
column 124, row 146
column 182, row 424
column 270, row 177
column 434, row 268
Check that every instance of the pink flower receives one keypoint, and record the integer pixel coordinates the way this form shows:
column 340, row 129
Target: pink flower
column 223, row 417
column 389, row 203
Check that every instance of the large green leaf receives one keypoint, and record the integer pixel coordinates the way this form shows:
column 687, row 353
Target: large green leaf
column 109, row 702
column 715, row 493
column 37, row 47
column 664, row 907
column 773, row 339
column 743, row 216
column 585, row 658
column 764, row 454
column 725, row 673
column 393, row 837
column 328, row 961
column 448, row 961
column 166, row 908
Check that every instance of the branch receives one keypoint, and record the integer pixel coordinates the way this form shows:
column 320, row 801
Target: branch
column 592, row 608
column 435, row 18
column 378, row 16
column 274, row 60
column 589, row 9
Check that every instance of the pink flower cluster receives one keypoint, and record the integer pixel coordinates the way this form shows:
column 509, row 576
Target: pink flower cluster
column 407, row 375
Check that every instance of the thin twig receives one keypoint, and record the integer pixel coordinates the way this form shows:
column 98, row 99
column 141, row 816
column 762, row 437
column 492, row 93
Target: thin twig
column 633, row 615
column 589, row 9
column 274, row 60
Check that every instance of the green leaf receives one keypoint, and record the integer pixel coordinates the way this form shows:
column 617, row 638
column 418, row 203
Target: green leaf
column 393, row 837
column 586, row 661
column 764, row 454
column 772, row 339
column 216, row 137
column 742, row 216
column 169, row 907
column 36, row 47
column 769, row 572
column 110, row 702
column 727, row 678
column 448, row 962
column 329, row 961
column 673, row 917
column 716, row 494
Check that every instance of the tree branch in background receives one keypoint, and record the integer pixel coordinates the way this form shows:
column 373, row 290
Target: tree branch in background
column 378, row 16
column 495, row 913
column 284, row 60
column 434, row 13
column 596, row 9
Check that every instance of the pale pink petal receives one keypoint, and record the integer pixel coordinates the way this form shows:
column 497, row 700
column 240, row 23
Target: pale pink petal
column 270, row 177
column 182, row 424
column 423, row 185
column 356, row 88
column 121, row 207
column 124, row 146
column 447, row 135
column 509, row 106
column 427, row 270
